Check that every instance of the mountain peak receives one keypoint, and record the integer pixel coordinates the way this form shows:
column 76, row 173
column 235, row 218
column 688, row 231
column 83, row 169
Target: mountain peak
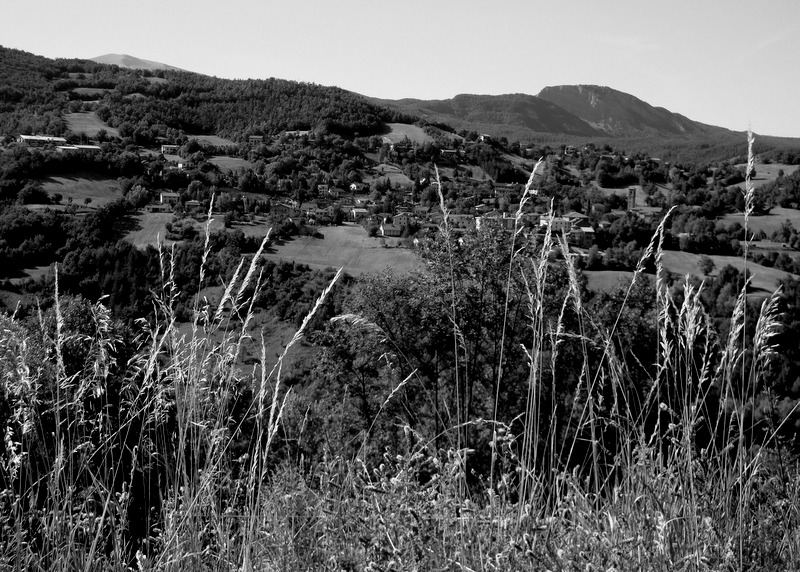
column 620, row 114
column 127, row 61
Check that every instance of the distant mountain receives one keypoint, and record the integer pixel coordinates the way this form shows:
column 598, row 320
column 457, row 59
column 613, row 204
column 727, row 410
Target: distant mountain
column 517, row 110
column 562, row 111
column 620, row 114
column 130, row 62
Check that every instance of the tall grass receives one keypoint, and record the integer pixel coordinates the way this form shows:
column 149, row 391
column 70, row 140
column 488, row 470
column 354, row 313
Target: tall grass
column 112, row 465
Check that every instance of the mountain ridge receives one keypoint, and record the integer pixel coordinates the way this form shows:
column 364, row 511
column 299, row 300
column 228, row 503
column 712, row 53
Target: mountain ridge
column 621, row 114
column 132, row 62
column 570, row 110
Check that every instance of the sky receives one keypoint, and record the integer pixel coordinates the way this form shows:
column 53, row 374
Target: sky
column 730, row 63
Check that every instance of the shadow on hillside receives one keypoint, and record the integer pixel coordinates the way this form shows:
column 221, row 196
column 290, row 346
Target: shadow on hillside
column 128, row 224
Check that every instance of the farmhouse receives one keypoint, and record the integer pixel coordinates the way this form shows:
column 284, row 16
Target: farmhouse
column 557, row 225
column 421, row 211
column 461, row 221
column 169, row 198
column 40, row 140
column 192, row 206
column 169, row 149
column 389, row 229
column 577, row 218
column 582, row 237
column 403, row 219
column 495, row 219
column 283, row 209
column 357, row 213
column 255, row 139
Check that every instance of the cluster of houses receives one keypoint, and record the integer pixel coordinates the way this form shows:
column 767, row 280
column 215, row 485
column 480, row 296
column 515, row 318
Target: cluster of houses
column 167, row 202
column 61, row 145
column 408, row 216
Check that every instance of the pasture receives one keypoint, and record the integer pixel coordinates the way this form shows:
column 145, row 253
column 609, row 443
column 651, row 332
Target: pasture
column 766, row 173
column 609, row 280
column 233, row 163
column 88, row 123
column 766, row 223
column 82, row 186
column 148, row 229
column 764, row 280
column 415, row 134
column 98, row 91
column 388, row 171
column 346, row 246
column 213, row 140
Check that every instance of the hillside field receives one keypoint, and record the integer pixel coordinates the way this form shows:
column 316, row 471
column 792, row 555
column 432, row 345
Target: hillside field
column 213, row 140
column 415, row 134
column 346, row 246
column 388, row 171
column 233, row 163
column 149, row 229
column 767, row 172
column 767, row 223
column 89, row 124
column 82, row 186
column 765, row 280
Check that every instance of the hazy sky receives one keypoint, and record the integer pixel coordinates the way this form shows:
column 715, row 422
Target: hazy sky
column 730, row 63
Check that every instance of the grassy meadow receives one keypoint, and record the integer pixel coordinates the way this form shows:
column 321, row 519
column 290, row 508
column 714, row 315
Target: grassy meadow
column 89, row 124
column 233, row 163
column 765, row 280
column 766, row 223
column 399, row 131
column 348, row 247
column 81, row 186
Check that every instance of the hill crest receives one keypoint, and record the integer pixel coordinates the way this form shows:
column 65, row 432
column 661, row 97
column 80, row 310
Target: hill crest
column 132, row 62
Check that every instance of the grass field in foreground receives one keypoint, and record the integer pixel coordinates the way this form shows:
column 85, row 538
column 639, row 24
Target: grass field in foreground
column 346, row 246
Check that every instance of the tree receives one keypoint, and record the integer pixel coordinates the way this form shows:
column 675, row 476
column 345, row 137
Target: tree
column 706, row 264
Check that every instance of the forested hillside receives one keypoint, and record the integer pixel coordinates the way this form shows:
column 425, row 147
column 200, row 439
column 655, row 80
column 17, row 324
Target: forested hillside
column 34, row 91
